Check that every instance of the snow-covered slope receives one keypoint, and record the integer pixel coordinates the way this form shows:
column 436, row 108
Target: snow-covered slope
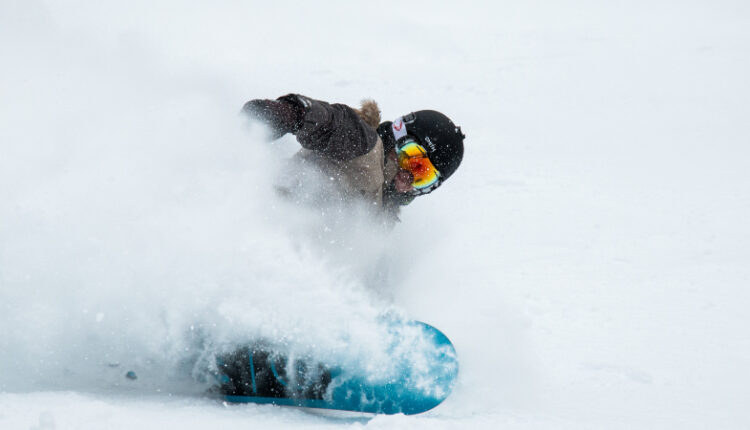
column 589, row 259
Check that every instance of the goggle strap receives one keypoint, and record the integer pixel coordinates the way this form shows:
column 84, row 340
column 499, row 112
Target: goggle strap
column 399, row 128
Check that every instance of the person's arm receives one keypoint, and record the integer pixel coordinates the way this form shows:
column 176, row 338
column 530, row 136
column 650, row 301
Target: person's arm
column 335, row 130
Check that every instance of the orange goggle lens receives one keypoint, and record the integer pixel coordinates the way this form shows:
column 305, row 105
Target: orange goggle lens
column 413, row 157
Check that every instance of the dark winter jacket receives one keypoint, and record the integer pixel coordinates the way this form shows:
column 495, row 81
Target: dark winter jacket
column 340, row 141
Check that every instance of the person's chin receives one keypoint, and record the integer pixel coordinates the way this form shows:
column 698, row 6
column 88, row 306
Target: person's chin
column 403, row 188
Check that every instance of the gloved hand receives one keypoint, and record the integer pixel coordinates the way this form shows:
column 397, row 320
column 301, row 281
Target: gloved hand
column 282, row 116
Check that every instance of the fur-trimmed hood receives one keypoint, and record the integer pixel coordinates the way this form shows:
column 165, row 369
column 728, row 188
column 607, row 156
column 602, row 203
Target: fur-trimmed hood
column 369, row 112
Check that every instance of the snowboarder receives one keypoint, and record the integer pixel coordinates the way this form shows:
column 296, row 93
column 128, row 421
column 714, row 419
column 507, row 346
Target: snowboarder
column 387, row 164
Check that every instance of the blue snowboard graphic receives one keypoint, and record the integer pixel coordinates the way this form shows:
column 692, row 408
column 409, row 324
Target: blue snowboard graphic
column 422, row 376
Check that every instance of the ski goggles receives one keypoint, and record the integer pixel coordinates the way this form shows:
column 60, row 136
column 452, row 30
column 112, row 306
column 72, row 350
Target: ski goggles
column 413, row 157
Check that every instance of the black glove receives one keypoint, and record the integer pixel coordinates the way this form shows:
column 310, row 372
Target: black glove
column 282, row 116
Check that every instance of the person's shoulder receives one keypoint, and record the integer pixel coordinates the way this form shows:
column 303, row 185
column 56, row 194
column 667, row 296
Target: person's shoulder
column 368, row 112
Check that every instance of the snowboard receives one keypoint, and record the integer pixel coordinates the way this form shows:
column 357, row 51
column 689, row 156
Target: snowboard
column 421, row 373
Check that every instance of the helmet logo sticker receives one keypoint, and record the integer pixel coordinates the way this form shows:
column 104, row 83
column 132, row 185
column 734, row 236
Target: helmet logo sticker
column 429, row 142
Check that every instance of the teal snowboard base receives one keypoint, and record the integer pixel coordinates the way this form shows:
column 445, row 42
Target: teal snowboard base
column 421, row 376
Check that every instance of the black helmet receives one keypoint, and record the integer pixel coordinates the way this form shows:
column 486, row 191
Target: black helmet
column 443, row 140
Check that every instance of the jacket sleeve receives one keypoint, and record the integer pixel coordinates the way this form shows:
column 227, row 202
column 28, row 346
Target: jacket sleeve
column 334, row 130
